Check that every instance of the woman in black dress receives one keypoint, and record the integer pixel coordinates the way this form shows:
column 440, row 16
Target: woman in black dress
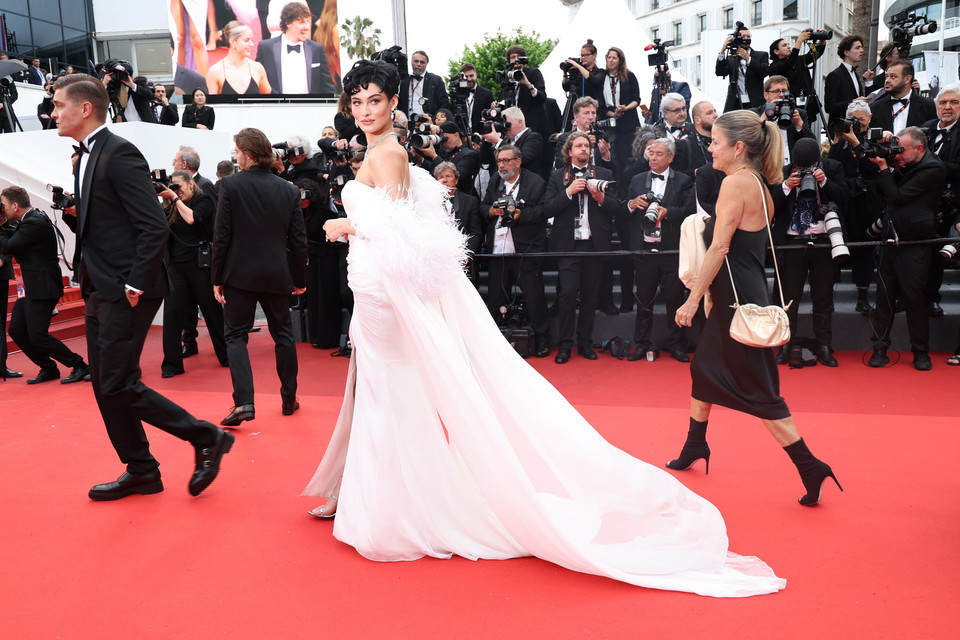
column 621, row 97
column 198, row 115
column 724, row 371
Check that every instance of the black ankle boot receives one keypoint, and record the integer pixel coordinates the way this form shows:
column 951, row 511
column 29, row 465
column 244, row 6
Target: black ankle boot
column 813, row 472
column 693, row 449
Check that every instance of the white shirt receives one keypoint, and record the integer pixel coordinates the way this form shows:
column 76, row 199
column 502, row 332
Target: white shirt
column 503, row 236
column 293, row 67
column 584, row 205
column 938, row 137
column 853, row 76
column 416, row 92
column 88, row 143
column 130, row 113
column 900, row 113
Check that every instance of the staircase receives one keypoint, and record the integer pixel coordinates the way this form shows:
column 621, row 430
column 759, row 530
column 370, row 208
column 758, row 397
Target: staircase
column 67, row 323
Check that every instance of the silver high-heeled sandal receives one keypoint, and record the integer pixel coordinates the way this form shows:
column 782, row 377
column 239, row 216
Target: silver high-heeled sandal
column 319, row 513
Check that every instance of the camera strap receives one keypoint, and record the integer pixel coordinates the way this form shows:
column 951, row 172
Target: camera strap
column 61, row 241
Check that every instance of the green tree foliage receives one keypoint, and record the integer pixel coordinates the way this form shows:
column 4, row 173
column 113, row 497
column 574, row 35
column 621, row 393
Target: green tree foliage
column 358, row 39
column 490, row 55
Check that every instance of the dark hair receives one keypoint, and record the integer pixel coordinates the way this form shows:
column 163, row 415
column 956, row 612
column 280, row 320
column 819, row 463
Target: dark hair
column 200, row 89
column 774, row 46
column 79, row 87
column 516, row 49
column 886, row 51
column 293, row 11
column 568, row 144
column 467, row 66
column 906, row 64
column 225, row 168
column 847, row 43
column 589, row 46
column 422, row 53
column 383, row 74
column 256, row 145
column 17, row 195
column 318, row 195
column 623, row 73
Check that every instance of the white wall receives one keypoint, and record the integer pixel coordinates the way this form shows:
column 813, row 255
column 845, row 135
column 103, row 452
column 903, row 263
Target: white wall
column 126, row 17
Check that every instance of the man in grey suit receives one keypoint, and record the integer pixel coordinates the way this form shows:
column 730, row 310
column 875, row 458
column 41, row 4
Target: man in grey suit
column 295, row 64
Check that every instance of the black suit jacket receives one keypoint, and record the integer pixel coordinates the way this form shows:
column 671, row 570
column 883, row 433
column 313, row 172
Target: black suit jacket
column 913, row 198
column 629, row 92
column 120, row 226
column 481, row 100
column 467, row 162
column 795, row 69
column 838, row 92
column 193, row 116
column 921, row 110
column 169, row 114
column 4, row 120
column 469, row 216
column 318, row 73
column 34, row 245
column 434, row 90
column 532, row 106
column 678, row 198
column 259, row 221
column 949, row 152
column 695, row 153
column 565, row 210
column 531, row 152
column 833, row 190
column 142, row 97
column 758, row 68
column 530, row 231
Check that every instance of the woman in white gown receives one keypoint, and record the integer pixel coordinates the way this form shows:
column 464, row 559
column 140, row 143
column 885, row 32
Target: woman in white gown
column 449, row 443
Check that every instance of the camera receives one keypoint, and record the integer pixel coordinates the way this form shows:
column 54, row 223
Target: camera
column 328, row 147
column 566, row 66
column 807, row 190
column 904, row 26
column 509, row 205
column 840, row 127
column 873, row 148
column 493, row 120
column 651, row 217
column 458, row 88
column 282, row 151
column 781, row 111
column 60, row 200
column 121, row 69
column 831, row 220
column 875, row 232
column 738, row 42
column 819, row 35
column 603, row 186
column 423, row 140
column 572, row 80
column 161, row 182
column 659, row 57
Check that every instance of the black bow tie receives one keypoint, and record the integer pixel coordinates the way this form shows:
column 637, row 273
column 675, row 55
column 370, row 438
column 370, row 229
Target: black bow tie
column 417, row 78
column 293, row 47
column 658, row 176
column 674, row 129
column 943, row 132
column 853, row 69
column 903, row 101
column 80, row 149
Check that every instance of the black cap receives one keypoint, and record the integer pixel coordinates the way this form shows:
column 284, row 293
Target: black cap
column 806, row 152
column 450, row 127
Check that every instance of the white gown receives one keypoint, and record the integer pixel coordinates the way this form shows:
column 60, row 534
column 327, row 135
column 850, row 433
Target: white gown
column 449, row 443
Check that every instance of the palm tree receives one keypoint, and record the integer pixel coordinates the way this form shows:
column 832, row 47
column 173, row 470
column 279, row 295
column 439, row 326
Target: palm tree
column 357, row 38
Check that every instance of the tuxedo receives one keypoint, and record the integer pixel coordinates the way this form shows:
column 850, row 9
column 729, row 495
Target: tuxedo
column 121, row 241
column 660, row 271
column 482, row 98
column 578, row 276
column 270, row 54
column 675, row 87
column 529, row 233
column 530, row 145
column 6, row 275
column 433, row 90
column 920, row 111
column 839, row 90
column 259, row 255
column 758, row 67
column 681, row 157
column 166, row 113
column 532, row 105
column 695, row 153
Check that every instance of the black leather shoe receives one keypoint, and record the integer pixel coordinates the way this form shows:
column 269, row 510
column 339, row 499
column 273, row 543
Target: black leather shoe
column 864, row 307
column 563, row 356
column 543, row 349
column 609, row 309
column 10, row 373
column 878, row 359
column 936, row 310
column 207, row 462
column 80, row 373
column 45, row 375
column 238, row 415
column 169, row 373
column 127, row 484
column 825, row 356
column 783, row 355
column 636, row 354
column 680, row 355
column 587, row 353
column 921, row 361
column 190, row 350
column 289, row 407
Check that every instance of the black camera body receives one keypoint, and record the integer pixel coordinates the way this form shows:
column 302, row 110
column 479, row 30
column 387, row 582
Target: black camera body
column 571, row 76
column 121, row 70
column 507, row 204
column 600, row 128
column 781, row 111
column 839, row 127
column 738, row 42
column 820, row 35
column 458, row 88
column 60, row 200
column 874, row 148
column 808, row 187
column 492, row 120
column 904, row 26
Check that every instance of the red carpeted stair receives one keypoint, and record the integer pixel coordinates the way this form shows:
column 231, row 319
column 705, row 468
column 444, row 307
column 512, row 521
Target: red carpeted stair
column 67, row 323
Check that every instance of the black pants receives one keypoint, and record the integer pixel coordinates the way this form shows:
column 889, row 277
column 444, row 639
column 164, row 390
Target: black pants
column 324, row 305
column 935, row 279
column 238, row 315
column 658, row 272
column 115, row 336
column 903, row 272
column 503, row 274
column 3, row 324
column 30, row 329
column 796, row 267
column 578, row 277
column 190, row 287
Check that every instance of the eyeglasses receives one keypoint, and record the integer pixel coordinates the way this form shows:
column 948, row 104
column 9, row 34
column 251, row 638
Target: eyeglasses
column 506, row 160
column 677, row 110
column 778, row 92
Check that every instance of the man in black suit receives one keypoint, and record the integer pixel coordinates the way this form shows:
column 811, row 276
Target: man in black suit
column 698, row 142
column 584, row 116
column 294, row 63
column 464, row 208
column 121, row 239
column 774, row 89
column 34, row 245
column 165, row 111
column 654, row 113
column 913, row 202
column 130, row 98
column 36, row 74
column 525, row 230
column 517, row 134
column 799, row 220
column 901, row 106
column 259, row 256
column 529, row 93
column 422, row 85
column 8, row 121
column 655, row 271
column 480, row 97
column 944, row 140
column 582, row 221
column 746, row 70
column 453, row 150
column 844, row 84
column 6, row 275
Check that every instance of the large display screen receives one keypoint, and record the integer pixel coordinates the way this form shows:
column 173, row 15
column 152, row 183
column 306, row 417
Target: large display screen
column 256, row 47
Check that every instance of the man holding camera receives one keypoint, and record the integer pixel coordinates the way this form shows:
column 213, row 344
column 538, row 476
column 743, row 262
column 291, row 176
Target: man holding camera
column 8, row 117
column 901, row 106
column 528, row 92
column 584, row 120
column 659, row 201
column 165, row 112
column 517, row 134
column 298, row 161
column 131, row 101
column 779, row 103
column 582, row 221
column 425, row 92
column 843, row 85
column 480, row 97
column 516, row 224
column 655, row 114
column 745, row 68
column 453, row 150
column 813, row 188
column 789, row 63
column 913, row 193
column 34, row 244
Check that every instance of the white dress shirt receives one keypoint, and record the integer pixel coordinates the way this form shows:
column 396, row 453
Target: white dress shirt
column 293, row 67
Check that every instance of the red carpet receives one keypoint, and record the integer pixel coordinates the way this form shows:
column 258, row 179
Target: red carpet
column 245, row 561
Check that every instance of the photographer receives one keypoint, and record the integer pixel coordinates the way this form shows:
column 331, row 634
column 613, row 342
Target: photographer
column 480, row 97
column 621, row 97
column 528, row 92
column 425, row 92
column 582, row 221
column 190, row 215
column 812, row 186
column 902, row 106
column 864, row 200
column 698, row 143
column 165, row 112
column 34, row 244
column 778, row 103
column 8, row 95
column 913, row 189
column 842, row 85
column 789, row 63
column 516, row 224
column 466, row 159
column 655, row 115
column 591, row 76
column 517, row 134
column 674, row 124
column 465, row 209
column 324, row 304
column 585, row 120
column 745, row 68
column 130, row 101
column 298, row 161
column 659, row 201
